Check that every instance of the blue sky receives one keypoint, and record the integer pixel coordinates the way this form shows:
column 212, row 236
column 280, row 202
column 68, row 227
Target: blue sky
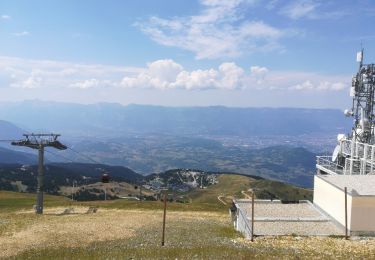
column 184, row 53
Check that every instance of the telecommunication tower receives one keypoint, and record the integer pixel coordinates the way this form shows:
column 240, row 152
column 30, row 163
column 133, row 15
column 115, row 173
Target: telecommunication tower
column 362, row 91
column 39, row 142
column 355, row 152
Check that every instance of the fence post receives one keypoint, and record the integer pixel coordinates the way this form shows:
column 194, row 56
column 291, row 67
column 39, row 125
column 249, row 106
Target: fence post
column 346, row 213
column 165, row 212
column 252, row 216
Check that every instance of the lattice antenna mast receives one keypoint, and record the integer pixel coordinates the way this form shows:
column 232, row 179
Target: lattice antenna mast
column 363, row 91
column 39, row 142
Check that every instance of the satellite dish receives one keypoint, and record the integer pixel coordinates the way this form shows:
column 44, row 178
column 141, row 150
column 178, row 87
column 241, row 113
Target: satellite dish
column 336, row 153
column 340, row 137
column 348, row 113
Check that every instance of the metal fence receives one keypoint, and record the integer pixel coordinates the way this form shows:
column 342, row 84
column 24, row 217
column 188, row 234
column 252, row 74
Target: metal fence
column 326, row 162
column 243, row 223
column 359, row 159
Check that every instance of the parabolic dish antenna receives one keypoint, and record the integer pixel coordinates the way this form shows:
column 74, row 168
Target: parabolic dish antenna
column 335, row 153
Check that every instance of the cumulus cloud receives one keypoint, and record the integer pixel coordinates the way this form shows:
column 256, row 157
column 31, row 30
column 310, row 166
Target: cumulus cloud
column 219, row 31
column 167, row 74
column 160, row 74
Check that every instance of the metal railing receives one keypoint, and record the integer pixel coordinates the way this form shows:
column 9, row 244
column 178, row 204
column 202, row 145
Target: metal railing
column 359, row 159
column 326, row 163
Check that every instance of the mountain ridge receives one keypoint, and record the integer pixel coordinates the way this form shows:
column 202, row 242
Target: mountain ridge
column 114, row 119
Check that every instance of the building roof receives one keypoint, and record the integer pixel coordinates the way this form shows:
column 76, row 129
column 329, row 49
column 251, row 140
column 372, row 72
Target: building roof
column 358, row 185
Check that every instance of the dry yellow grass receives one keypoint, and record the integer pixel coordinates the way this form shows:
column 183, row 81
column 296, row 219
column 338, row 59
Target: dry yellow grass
column 53, row 230
column 135, row 232
column 73, row 230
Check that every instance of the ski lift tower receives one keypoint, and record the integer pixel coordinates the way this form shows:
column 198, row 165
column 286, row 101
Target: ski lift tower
column 352, row 164
column 39, row 142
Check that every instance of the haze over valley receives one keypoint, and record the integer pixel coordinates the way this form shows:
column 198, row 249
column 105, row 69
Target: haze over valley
column 276, row 143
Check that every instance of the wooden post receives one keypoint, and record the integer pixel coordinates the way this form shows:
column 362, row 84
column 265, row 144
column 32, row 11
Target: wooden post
column 252, row 216
column 165, row 213
column 346, row 213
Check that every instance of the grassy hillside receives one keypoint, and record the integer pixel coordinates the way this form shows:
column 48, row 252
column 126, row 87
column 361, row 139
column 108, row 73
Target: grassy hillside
column 10, row 201
column 238, row 186
column 267, row 189
column 229, row 186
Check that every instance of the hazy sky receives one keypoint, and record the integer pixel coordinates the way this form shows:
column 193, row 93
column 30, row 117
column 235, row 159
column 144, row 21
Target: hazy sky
column 182, row 53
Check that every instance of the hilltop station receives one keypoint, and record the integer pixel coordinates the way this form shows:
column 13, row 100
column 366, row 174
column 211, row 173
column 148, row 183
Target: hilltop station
column 344, row 185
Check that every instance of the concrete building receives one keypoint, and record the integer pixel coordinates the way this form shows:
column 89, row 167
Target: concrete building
column 329, row 196
column 352, row 164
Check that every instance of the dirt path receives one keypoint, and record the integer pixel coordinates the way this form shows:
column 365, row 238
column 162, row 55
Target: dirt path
column 247, row 196
column 220, row 199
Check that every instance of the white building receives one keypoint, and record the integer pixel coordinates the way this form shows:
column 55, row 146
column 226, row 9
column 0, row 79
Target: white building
column 352, row 165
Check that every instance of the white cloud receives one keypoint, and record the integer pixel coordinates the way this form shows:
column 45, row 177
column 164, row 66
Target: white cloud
column 320, row 86
column 33, row 81
column 5, row 17
column 160, row 74
column 167, row 74
column 259, row 73
column 28, row 73
column 21, row 34
column 219, row 31
column 257, row 70
column 311, row 9
column 197, row 79
column 299, row 9
column 306, row 85
column 88, row 83
column 232, row 76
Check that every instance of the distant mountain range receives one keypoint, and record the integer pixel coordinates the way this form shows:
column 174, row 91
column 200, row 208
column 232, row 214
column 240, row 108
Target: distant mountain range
column 106, row 119
column 9, row 131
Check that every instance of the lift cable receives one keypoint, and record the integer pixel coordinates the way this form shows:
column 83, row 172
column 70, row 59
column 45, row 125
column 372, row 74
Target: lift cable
column 61, row 156
column 85, row 156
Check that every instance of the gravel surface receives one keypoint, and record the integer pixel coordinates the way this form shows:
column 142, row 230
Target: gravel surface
column 278, row 210
column 275, row 218
column 298, row 228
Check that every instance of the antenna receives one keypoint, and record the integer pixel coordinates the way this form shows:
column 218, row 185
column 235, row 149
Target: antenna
column 363, row 93
column 39, row 142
